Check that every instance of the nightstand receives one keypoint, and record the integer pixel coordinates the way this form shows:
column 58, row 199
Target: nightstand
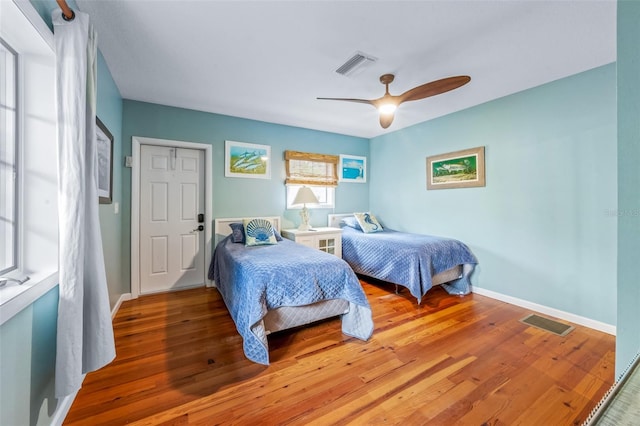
column 328, row 240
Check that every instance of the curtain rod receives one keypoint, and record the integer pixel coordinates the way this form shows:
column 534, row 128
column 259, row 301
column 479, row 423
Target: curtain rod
column 67, row 13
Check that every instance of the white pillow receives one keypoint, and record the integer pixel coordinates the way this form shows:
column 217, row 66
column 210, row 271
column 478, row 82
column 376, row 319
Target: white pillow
column 258, row 232
column 368, row 222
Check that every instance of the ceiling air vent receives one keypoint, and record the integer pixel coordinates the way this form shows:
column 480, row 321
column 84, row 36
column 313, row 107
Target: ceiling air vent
column 356, row 62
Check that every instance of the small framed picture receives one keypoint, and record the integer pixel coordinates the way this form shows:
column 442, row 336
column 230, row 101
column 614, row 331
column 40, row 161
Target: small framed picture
column 247, row 160
column 104, row 142
column 460, row 169
column 353, row 168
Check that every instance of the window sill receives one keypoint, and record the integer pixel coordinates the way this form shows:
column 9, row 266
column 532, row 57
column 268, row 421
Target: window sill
column 14, row 298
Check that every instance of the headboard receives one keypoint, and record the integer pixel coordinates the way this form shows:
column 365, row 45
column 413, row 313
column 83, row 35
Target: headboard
column 333, row 220
column 222, row 228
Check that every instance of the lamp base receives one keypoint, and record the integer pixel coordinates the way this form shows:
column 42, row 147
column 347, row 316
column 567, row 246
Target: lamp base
column 304, row 227
column 304, row 216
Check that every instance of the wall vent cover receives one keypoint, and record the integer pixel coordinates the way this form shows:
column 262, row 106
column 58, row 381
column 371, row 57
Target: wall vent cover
column 358, row 61
column 547, row 324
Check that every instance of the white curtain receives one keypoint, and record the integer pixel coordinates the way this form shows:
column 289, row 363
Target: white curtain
column 85, row 332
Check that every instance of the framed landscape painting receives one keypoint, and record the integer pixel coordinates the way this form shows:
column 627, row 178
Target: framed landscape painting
column 353, row 168
column 247, row 160
column 460, row 169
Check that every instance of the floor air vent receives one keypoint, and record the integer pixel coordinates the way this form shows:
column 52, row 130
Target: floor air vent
column 547, row 324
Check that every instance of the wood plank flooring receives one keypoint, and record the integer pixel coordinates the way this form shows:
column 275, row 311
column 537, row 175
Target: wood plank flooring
column 450, row 361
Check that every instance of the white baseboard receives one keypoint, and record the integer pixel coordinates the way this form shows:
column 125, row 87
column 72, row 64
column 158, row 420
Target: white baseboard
column 64, row 405
column 576, row 319
column 123, row 298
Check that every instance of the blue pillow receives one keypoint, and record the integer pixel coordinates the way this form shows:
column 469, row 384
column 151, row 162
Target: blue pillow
column 258, row 232
column 237, row 232
column 368, row 222
column 351, row 222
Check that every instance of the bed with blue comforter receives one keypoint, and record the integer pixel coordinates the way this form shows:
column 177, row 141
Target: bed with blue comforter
column 409, row 260
column 253, row 280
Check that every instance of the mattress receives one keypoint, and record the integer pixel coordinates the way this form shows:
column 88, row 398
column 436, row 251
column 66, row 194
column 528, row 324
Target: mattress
column 287, row 317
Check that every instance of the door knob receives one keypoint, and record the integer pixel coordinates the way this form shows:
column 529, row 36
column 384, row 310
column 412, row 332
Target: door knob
column 199, row 228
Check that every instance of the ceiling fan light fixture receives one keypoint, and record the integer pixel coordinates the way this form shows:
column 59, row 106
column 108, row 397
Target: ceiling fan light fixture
column 387, row 108
column 387, row 104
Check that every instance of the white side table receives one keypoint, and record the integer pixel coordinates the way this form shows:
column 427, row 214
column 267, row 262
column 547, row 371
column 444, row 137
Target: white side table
column 328, row 240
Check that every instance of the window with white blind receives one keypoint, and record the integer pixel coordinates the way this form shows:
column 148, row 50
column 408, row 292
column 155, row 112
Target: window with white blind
column 317, row 171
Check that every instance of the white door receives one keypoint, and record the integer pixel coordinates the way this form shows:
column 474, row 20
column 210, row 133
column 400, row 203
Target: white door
column 171, row 218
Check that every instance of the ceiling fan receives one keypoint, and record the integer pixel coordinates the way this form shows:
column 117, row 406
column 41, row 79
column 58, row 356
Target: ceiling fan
column 388, row 103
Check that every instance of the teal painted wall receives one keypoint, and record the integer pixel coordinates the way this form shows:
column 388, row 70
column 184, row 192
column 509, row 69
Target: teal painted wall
column 27, row 363
column 238, row 197
column 109, row 110
column 628, row 332
column 544, row 227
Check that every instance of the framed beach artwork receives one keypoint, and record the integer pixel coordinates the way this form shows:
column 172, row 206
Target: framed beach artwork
column 353, row 168
column 247, row 160
column 460, row 169
column 104, row 142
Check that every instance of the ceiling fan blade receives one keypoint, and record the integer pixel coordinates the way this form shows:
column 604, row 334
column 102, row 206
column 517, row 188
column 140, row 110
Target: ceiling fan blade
column 362, row 101
column 434, row 88
column 386, row 120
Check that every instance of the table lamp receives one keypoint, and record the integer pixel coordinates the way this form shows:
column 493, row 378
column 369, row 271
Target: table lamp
column 305, row 196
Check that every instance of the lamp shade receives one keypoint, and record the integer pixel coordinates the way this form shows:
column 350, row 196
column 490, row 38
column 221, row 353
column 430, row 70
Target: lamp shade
column 305, row 196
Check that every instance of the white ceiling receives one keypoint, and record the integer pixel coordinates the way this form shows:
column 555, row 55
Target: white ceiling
column 269, row 60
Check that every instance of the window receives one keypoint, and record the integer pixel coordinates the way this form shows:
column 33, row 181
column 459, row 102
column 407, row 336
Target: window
column 304, row 168
column 325, row 194
column 28, row 151
column 317, row 171
column 8, row 159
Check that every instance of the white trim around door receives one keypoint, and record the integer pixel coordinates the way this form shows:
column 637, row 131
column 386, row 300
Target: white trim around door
column 136, row 142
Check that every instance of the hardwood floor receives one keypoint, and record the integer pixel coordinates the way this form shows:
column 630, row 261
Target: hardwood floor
column 452, row 360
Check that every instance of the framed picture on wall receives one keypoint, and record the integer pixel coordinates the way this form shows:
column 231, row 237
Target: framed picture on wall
column 104, row 142
column 247, row 160
column 460, row 169
column 353, row 169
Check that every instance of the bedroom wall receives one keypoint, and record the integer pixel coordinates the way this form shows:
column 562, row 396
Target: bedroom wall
column 27, row 364
column 238, row 197
column 544, row 227
column 109, row 110
column 628, row 333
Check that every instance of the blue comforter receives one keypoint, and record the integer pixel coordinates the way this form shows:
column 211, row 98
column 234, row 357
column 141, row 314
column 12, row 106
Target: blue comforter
column 253, row 280
column 407, row 259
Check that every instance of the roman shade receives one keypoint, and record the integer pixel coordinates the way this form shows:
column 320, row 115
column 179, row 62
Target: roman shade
column 305, row 168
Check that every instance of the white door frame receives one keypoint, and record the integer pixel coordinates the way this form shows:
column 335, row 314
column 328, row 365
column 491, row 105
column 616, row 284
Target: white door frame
column 136, row 141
